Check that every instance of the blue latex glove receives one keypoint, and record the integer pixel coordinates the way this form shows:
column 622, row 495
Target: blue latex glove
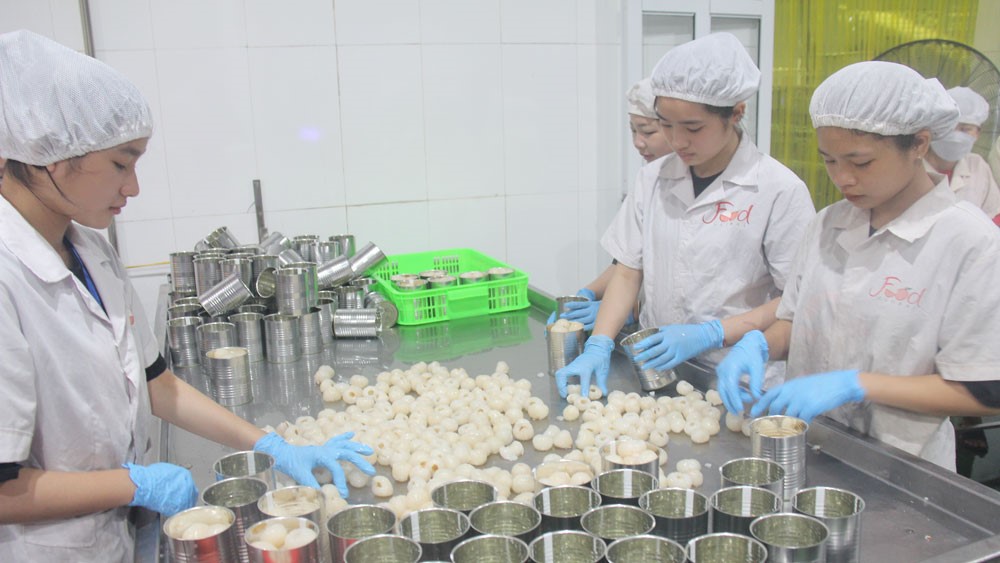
column 583, row 311
column 806, row 397
column 298, row 461
column 163, row 487
column 595, row 360
column 674, row 344
column 749, row 356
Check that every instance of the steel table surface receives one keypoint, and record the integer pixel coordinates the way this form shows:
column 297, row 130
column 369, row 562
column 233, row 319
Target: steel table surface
column 914, row 511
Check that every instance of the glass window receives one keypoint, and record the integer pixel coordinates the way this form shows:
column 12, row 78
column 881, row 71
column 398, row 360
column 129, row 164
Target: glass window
column 662, row 32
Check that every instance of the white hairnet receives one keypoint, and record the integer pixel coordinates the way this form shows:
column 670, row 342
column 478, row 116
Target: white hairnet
column 972, row 108
column 884, row 98
column 56, row 103
column 715, row 70
column 641, row 100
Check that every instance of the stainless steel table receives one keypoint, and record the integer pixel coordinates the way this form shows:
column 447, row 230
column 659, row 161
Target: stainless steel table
column 914, row 511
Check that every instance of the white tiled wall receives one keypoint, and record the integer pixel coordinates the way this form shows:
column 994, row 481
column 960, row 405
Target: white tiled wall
column 418, row 124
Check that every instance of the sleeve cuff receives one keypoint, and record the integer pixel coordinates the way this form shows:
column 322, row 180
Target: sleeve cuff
column 156, row 369
column 9, row 471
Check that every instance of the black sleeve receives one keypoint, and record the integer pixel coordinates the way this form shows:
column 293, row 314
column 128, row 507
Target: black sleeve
column 158, row 367
column 9, row 471
column 986, row 392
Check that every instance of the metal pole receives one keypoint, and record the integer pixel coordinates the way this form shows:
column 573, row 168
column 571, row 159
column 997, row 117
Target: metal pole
column 258, row 204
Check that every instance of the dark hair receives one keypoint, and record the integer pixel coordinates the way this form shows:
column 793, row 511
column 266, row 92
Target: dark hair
column 24, row 173
column 724, row 112
column 20, row 172
column 903, row 142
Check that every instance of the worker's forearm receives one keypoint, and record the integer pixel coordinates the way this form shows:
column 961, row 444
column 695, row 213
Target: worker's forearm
column 38, row 495
column 778, row 335
column 600, row 285
column 758, row 318
column 618, row 301
column 925, row 394
column 178, row 403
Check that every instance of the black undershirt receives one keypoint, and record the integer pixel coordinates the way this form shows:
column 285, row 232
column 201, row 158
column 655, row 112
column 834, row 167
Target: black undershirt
column 701, row 183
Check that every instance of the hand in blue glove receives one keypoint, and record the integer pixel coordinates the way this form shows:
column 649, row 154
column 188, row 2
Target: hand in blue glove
column 583, row 311
column 807, row 397
column 298, row 461
column 674, row 344
column 163, row 487
column 595, row 360
column 749, row 356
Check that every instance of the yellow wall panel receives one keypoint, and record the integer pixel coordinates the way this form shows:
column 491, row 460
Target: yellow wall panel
column 814, row 38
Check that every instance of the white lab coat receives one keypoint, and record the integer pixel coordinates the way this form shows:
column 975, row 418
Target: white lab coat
column 994, row 159
column 972, row 180
column 73, row 378
column 919, row 296
column 719, row 255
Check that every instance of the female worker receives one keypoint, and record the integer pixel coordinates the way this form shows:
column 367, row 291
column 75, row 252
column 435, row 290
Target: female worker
column 892, row 301
column 80, row 371
column 968, row 174
column 647, row 138
column 709, row 232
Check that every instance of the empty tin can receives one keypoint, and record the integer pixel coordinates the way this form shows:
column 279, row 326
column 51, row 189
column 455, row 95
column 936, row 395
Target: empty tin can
column 464, row 496
column 182, row 271
column 346, row 244
column 366, row 258
column 437, row 530
column 721, row 546
column 649, row 379
column 646, row 549
column 384, row 549
column 355, row 523
column 612, row 522
column 490, row 549
column 567, row 545
column 507, row 518
column 840, row 510
column 680, row 514
column 791, row 538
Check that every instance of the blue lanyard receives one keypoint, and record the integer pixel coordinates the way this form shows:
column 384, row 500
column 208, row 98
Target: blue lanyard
column 87, row 280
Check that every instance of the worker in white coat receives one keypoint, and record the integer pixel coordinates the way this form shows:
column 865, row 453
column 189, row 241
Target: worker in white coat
column 968, row 173
column 709, row 232
column 650, row 141
column 80, row 370
column 888, row 321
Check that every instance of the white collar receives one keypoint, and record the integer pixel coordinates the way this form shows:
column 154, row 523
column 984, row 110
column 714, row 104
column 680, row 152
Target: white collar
column 29, row 246
column 912, row 224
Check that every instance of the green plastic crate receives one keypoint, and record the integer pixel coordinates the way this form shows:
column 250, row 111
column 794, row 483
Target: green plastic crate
column 447, row 303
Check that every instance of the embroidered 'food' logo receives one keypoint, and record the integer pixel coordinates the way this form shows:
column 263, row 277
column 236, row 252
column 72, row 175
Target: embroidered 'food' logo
column 893, row 288
column 726, row 212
